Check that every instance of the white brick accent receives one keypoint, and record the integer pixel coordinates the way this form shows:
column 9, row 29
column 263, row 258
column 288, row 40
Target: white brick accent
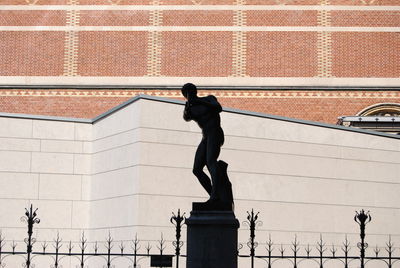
column 154, row 45
column 324, row 42
column 71, row 42
column 239, row 45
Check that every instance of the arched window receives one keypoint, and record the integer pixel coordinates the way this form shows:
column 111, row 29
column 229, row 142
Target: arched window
column 381, row 109
column 383, row 117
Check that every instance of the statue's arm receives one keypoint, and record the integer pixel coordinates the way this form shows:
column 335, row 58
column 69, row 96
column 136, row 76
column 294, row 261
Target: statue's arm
column 210, row 101
column 186, row 113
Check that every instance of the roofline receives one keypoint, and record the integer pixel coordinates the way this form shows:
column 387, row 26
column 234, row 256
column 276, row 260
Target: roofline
column 175, row 87
column 229, row 110
column 46, row 117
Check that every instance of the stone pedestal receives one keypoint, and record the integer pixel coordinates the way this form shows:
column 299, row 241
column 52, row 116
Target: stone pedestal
column 212, row 239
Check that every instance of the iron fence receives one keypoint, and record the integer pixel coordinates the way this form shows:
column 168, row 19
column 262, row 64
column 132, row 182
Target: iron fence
column 114, row 250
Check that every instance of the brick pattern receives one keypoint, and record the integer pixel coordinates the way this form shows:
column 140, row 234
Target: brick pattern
column 31, row 53
column 204, row 2
column 71, row 42
column 203, row 54
column 198, row 2
column 345, row 18
column 282, row 2
column 154, row 45
column 366, row 54
column 366, row 2
column 324, row 43
column 114, row 18
column 32, row 17
column 198, row 18
column 34, row 2
column 281, row 18
column 324, row 54
column 239, row 46
column 318, row 105
column 112, row 53
column 281, row 54
column 115, row 2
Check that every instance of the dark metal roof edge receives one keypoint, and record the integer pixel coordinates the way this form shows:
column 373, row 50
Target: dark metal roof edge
column 175, row 87
column 229, row 110
column 274, row 117
column 132, row 100
column 311, row 123
column 46, row 117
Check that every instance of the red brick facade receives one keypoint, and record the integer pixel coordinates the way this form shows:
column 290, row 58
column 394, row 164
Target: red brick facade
column 282, row 54
column 31, row 53
column 112, row 53
column 366, row 54
column 322, row 106
column 242, row 38
column 224, row 39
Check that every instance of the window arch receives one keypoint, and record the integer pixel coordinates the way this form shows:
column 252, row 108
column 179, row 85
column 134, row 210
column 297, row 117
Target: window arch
column 382, row 117
column 381, row 109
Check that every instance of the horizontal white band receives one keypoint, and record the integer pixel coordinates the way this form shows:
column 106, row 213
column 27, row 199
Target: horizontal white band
column 200, row 28
column 196, row 7
column 201, row 81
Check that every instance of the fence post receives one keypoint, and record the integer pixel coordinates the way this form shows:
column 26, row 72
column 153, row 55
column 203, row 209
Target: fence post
column 83, row 246
column 1, row 248
column 252, row 222
column 178, row 220
column 31, row 219
column 362, row 218
column 135, row 251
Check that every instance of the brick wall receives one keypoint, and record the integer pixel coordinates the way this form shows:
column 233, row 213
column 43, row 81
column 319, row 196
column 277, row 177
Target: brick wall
column 323, row 106
column 244, row 38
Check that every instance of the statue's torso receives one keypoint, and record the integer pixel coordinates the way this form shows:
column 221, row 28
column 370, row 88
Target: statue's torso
column 207, row 118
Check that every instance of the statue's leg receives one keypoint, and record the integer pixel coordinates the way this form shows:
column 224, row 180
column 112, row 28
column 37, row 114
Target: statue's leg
column 199, row 164
column 213, row 150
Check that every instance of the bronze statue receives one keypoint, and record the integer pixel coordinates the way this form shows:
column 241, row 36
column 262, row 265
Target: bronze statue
column 205, row 111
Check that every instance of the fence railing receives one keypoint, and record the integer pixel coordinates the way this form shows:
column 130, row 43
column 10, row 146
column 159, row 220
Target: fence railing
column 59, row 250
column 321, row 258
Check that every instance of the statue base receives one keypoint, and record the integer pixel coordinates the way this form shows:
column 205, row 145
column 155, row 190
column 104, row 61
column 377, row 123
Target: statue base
column 212, row 206
column 212, row 239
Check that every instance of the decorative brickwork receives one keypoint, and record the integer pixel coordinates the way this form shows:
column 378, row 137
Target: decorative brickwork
column 234, row 42
column 324, row 106
column 154, row 46
column 324, row 43
column 324, row 52
column 205, row 2
column 71, row 42
column 239, row 46
column 31, row 2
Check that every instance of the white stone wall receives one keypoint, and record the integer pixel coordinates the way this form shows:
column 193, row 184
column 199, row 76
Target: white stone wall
column 127, row 173
column 43, row 163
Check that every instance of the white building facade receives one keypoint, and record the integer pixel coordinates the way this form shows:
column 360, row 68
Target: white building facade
column 124, row 173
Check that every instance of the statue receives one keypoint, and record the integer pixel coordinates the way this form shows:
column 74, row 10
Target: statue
column 205, row 112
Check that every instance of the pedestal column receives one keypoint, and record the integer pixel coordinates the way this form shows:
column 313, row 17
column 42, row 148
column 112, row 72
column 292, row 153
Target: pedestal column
column 212, row 239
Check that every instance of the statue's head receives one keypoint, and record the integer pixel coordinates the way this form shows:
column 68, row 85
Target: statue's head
column 189, row 89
